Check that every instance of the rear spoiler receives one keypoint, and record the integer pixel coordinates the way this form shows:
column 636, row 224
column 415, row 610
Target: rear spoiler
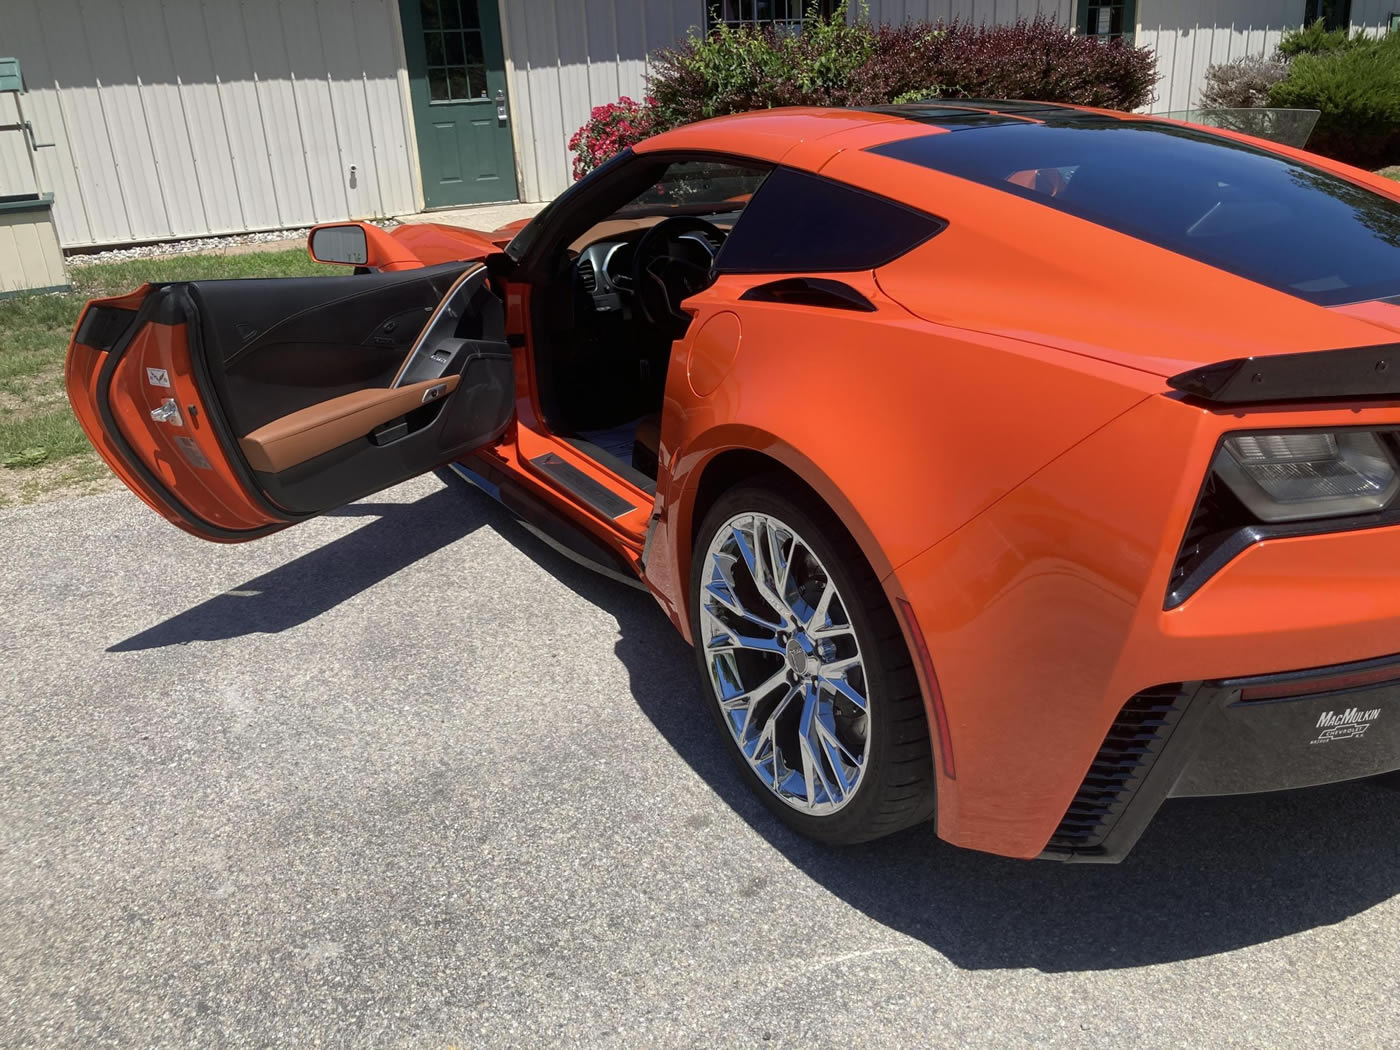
column 1354, row 372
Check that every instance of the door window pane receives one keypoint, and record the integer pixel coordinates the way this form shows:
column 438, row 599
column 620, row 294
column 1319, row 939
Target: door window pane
column 476, row 81
column 457, row 83
column 456, row 52
column 437, row 85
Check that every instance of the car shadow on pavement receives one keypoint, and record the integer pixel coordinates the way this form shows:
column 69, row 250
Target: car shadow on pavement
column 1209, row 876
column 305, row 587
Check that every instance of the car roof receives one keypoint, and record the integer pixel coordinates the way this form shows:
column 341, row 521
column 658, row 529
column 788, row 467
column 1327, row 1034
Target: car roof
column 808, row 136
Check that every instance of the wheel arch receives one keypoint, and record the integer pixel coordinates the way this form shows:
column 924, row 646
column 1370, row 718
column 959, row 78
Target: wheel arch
column 739, row 458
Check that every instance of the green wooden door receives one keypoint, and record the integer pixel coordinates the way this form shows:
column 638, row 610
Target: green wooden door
column 457, row 82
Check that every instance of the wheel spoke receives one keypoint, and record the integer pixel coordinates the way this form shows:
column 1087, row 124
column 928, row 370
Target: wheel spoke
column 747, row 700
column 809, row 742
column 726, row 638
column 780, row 564
column 721, row 593
column 721, row 588
column 768, row 735
column 838, row 755
column 748, row 548
column 838, row 668
column 844, row 688
column 822, row 611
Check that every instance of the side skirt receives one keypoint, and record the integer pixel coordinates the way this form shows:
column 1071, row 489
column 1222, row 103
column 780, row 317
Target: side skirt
column 549, row 526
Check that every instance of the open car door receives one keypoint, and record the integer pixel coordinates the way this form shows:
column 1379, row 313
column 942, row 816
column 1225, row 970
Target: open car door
column 238, row 407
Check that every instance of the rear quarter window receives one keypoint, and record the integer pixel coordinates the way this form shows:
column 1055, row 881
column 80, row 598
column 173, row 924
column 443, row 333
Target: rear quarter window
column 801, row 223
column 1265, row 217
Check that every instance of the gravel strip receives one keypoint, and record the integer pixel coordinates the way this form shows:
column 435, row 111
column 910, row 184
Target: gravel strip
column 200, row 245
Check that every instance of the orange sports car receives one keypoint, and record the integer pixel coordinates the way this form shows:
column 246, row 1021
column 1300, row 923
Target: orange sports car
column 1008, row 464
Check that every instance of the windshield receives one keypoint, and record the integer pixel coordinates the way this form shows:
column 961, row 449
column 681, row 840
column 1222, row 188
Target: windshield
column 706, row 187
column 716, row 190
column 1264, row 217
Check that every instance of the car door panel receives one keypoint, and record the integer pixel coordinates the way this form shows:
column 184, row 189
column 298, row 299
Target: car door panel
column 149, row 378
column 472, row 411
column 274, row 346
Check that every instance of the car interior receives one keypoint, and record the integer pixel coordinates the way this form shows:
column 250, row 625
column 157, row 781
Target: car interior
column 606, row 317
column 336, row 387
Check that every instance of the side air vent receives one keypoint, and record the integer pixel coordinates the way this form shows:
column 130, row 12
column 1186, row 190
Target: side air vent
column 587, row 277
column 1214, row 529
column 811, row 291
column 1131, row 746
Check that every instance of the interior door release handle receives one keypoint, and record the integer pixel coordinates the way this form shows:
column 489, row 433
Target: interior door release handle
column 434, row 392
column 501, row 106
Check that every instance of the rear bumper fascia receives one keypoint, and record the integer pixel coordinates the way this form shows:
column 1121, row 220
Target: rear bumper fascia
column 1214, row 738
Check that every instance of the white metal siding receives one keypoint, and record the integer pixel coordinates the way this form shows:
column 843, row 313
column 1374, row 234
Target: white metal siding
column 1191, row 35
column 181, row 118
column 894, row 11
column 563, row 58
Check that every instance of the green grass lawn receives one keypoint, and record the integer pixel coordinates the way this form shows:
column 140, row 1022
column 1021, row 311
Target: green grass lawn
column 1392, row 172
column 41, row 445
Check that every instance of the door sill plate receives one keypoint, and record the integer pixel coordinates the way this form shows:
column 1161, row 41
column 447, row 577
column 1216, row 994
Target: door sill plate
column 574, row 481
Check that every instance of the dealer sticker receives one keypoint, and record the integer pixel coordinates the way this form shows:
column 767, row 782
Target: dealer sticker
column 1350, row 724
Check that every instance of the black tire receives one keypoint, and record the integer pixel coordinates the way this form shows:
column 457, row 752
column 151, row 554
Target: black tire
column 897, row 788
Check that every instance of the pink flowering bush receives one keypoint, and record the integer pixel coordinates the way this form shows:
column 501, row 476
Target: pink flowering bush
column 610, row 130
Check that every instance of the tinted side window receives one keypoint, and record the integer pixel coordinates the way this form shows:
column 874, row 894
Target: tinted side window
column 798, row 222
column 1263, row 216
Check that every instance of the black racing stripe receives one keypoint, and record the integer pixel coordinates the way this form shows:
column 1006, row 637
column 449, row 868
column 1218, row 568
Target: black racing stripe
column 975, row 112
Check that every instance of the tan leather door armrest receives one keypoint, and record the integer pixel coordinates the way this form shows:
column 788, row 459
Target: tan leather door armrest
column 310, row 431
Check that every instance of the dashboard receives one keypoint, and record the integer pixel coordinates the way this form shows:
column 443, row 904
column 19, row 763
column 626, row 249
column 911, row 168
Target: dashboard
column 605, row 268
column 605, row 272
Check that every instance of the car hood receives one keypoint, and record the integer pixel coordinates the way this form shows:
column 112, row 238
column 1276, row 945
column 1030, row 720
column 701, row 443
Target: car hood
column 435, row 242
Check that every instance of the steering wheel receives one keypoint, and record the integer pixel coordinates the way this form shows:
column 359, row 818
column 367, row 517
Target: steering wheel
column 668, row 267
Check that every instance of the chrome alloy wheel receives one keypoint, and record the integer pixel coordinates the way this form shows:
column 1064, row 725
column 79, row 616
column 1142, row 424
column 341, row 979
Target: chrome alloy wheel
column 785, row 663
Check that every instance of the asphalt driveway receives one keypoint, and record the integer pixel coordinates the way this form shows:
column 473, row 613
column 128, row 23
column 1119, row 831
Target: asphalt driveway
column 402, row 776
